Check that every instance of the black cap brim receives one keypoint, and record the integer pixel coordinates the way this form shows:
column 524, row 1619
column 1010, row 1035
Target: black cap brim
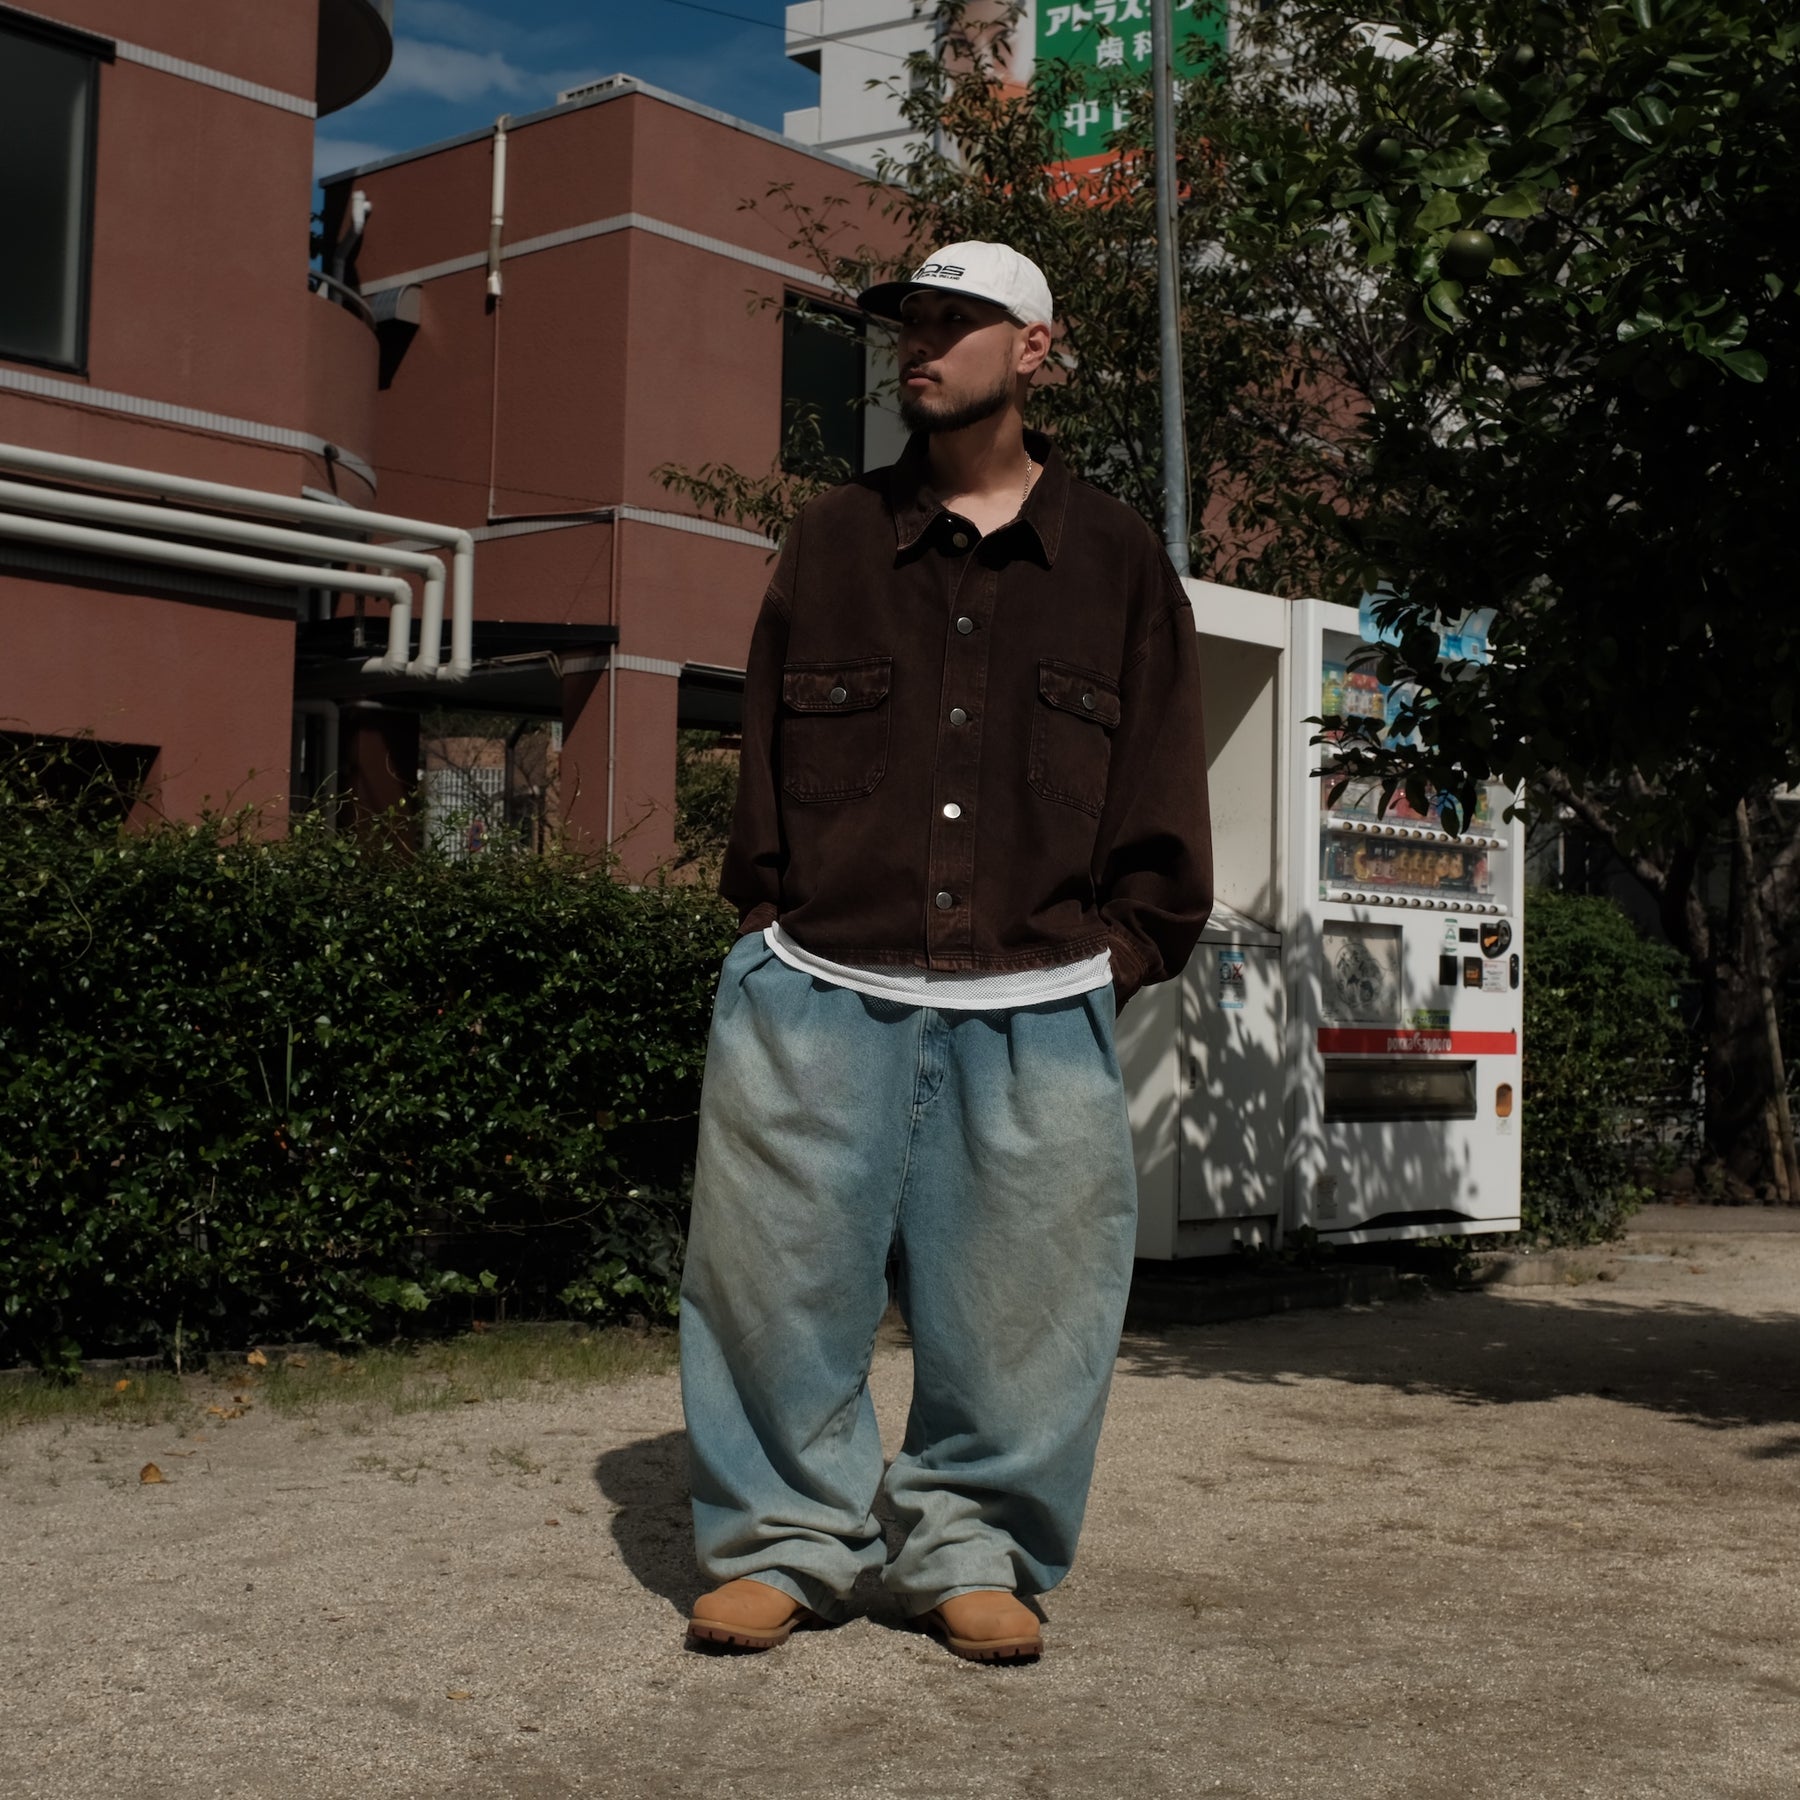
column 883, row 299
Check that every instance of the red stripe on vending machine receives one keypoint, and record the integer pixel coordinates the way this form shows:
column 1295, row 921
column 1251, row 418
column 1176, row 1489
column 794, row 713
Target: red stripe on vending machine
column 1360, row 1041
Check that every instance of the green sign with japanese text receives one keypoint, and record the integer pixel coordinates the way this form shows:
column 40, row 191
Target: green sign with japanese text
column 1108, row 40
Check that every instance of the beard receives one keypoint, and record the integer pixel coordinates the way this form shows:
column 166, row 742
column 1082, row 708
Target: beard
column 927, row 412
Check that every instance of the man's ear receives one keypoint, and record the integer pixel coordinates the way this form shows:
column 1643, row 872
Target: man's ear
column 1034, row 346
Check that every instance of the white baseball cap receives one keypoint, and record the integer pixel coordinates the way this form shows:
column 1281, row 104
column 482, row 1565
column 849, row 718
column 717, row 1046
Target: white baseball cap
column 992, row 272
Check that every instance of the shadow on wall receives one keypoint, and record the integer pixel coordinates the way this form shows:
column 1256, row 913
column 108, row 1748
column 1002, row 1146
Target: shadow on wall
column 1718, row 1370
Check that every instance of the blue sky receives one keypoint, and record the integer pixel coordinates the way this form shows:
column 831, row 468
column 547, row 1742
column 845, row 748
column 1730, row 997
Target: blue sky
column 459, row 63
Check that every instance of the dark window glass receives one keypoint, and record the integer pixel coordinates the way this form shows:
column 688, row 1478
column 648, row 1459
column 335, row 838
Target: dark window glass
column 821, row 373
column 46, row 134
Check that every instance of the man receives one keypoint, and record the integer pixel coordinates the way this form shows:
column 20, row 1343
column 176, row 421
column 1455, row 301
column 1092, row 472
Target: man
column 971, row 822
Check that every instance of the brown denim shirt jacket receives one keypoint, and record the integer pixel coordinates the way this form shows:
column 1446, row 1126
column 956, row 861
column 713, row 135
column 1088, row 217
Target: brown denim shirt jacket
column 974, row 753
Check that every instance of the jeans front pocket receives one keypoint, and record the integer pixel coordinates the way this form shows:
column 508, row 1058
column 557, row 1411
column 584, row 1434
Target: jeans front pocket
column 835, row 721
column 1071, row 735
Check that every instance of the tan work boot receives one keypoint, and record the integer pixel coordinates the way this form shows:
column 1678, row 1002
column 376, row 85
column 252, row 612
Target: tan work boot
column 988, row 1625
column 747, row 1615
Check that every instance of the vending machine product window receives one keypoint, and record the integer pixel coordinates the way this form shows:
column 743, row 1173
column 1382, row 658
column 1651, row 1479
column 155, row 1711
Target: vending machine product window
column 1397, row 856
column 1403, row 1088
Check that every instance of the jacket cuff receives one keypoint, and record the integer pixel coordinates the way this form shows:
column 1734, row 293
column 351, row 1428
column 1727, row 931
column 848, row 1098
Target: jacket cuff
column 758, row 918
column 1128, row 969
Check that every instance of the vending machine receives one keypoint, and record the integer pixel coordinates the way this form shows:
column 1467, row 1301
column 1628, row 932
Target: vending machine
column 1342, row 1053
column 1405, row 970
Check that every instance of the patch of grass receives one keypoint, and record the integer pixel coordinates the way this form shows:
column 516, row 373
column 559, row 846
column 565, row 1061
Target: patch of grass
column 514, row 1457
column 151, row 1397
column 405, row 1472
column 502, row 1363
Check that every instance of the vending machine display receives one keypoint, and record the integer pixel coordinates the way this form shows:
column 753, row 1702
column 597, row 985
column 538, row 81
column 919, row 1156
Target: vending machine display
column 1400, row 856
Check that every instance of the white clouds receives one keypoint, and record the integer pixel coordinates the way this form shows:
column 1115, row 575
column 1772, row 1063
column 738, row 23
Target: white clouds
column 451, row 22
column 445, row 72
column 332, row 154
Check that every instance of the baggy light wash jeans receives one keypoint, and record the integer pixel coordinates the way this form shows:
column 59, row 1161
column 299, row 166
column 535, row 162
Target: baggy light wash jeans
column 991, row 1153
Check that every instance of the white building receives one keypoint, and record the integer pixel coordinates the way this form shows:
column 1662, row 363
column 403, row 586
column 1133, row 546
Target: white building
column 858, row 50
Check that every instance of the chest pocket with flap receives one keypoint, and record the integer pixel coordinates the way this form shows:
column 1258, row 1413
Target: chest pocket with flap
column 1071, row 735
column 835, row 719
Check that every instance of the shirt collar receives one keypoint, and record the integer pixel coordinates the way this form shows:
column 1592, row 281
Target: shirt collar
column 916, row 508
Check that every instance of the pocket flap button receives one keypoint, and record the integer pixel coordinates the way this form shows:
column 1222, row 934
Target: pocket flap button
column 1087, row 700
column 840, row 694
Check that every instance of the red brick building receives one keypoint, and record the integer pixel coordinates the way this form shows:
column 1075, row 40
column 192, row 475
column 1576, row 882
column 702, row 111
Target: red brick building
column 504, row 383
column 155, row 163
column 602, row 306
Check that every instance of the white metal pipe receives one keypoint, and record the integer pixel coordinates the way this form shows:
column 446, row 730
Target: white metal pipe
column 497, row 208
column 108, row 510
column 288, row 506
column 263, row 569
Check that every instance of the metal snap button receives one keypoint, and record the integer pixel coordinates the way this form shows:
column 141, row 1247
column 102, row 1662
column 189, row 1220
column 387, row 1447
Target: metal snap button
column 1087, row 700
column 965, row 624
column 952, row 811
column 958, row 716
column 839, row 696
column 945, row 900
column 961, row 540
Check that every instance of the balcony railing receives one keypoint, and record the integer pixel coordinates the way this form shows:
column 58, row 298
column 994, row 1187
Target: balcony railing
column 328, row 287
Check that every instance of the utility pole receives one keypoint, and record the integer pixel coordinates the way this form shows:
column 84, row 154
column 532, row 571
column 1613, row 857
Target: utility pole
column 1168, row 287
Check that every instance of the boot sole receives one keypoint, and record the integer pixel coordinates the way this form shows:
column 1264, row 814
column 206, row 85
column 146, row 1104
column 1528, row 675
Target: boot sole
column 985, row 1650
column 704, row 1634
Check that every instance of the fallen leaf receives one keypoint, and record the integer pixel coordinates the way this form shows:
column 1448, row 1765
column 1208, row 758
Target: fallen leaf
column 257, row 1360
column 217, row 1412
column 150, row 1472
column 458, row 1694
column 553, row 1521
column 530, row 1727
column 296, row 1362
column 120, row 1386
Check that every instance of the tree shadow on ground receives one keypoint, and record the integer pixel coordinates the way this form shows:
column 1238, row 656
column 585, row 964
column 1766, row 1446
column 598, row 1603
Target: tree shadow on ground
column 1716, row 1369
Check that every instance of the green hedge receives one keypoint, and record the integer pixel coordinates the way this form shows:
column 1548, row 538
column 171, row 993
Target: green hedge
column 1603, row 1044
column 314, row 1088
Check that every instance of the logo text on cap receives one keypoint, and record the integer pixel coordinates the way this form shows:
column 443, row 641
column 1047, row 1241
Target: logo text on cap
column 952, row 270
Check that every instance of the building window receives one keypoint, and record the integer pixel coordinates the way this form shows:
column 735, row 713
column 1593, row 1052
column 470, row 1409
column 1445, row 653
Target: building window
column 49, row 82
column 823, row 381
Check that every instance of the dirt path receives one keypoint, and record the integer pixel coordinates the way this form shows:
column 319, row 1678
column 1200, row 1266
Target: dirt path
column 1535, row 1541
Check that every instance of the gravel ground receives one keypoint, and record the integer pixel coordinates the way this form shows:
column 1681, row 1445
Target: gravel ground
column 1537, row 1540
